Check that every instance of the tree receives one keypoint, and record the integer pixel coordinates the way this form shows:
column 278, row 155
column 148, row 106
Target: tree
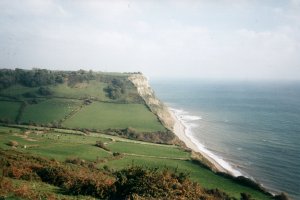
column 45, row 91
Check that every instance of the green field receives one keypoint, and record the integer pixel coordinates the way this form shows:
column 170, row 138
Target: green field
column 92, row 89
column 111, row 115
column 17, row 90
column 49, row 110
column 9, row 110
column 54, row 145
column 63, row 145
column 148, row 150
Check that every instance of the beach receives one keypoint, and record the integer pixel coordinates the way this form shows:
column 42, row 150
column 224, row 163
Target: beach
column 183, row 132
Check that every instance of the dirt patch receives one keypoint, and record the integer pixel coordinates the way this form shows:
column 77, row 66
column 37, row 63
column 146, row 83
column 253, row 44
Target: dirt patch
column 80, row 85
column 31, row 146
column 25, row 136
column 30, row 139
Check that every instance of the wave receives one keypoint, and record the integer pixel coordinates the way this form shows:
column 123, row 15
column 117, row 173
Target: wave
column 187, row 121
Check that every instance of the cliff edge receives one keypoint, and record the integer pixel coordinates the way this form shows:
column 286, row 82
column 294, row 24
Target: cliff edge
column 155, row 105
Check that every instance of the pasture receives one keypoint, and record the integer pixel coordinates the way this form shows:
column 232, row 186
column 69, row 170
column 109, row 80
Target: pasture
column 148, row 149
column 9, row 110
column 17, row 90
column 59, row 146
column 92, row 89
column 102, row 116
column 49, row 110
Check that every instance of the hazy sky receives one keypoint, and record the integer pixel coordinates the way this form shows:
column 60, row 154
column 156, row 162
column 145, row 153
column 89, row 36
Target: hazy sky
column 244, row 39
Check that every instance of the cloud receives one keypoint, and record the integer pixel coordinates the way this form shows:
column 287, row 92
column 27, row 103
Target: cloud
column 204, row 39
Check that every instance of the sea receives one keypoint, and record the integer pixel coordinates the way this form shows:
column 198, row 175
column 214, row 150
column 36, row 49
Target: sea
column 251, row 128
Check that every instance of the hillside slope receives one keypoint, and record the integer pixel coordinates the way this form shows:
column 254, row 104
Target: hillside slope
column 109, row 125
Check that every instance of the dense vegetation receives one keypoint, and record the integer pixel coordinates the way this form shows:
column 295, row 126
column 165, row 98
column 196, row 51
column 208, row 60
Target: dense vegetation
column 29, row 78
column 134, row 182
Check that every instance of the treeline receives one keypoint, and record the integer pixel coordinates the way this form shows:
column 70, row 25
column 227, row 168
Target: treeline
column 80, row 76
column 134, row 182
column 30, row 78
column 44, row 77
column 160, row 137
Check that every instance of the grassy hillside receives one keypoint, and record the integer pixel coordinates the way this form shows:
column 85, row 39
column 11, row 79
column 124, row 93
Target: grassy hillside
column 84, row 133
column 103, row 116
column 49, row 110
column 81, row 100
column 62, row 145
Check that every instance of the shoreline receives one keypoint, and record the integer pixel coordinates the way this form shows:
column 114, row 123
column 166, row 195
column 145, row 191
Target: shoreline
column 181, row 131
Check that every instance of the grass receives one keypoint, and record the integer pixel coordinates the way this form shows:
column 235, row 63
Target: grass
column 54, row 145
column 17, row 90
column 116, row 116
column 49, row 110
column 199, row 174
column 65, row 145
column 148, row 150
column 92, row 89
column 9, row 110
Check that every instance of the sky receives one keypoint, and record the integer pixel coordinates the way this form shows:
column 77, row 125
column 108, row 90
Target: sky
column 203, row 39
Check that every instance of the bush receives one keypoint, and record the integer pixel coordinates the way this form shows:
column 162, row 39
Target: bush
column 245, row 196
column 131, row 183
column 45, row 91
column 115, row 154
column 76, row 161
column 154, row 184
column 101, row 145
column 13, row 143
column 281, row 196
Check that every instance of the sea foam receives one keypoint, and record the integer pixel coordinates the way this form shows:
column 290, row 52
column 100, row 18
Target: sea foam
column 187, row 121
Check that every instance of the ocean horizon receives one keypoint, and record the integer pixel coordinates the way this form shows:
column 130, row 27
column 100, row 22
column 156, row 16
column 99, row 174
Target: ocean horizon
column 250, row 128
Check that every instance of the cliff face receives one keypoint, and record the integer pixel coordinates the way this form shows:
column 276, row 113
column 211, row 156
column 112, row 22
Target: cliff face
column 155, row 105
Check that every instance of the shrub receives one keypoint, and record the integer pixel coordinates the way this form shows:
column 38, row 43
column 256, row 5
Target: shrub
column 154, row 184
column 281, row 196
column 101, row 145
column 115, row 154
column 76, row 161
column 45, row 91
column 245, row 196
column 13, row 143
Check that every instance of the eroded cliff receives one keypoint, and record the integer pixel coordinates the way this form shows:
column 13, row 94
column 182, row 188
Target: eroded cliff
column 155, row 105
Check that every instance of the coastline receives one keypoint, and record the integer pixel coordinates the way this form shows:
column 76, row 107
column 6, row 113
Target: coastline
column 180, row 129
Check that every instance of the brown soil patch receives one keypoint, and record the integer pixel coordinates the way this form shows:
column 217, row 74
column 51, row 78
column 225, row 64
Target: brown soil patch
column 80, row 85
column 30, row 139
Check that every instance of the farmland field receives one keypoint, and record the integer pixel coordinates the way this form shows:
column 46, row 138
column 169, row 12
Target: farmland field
column 119, row 116
column 53, row 145
column 93, row 89
column 17, row 90
column 9, row 110
column 49, row 110
column 149, row 150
